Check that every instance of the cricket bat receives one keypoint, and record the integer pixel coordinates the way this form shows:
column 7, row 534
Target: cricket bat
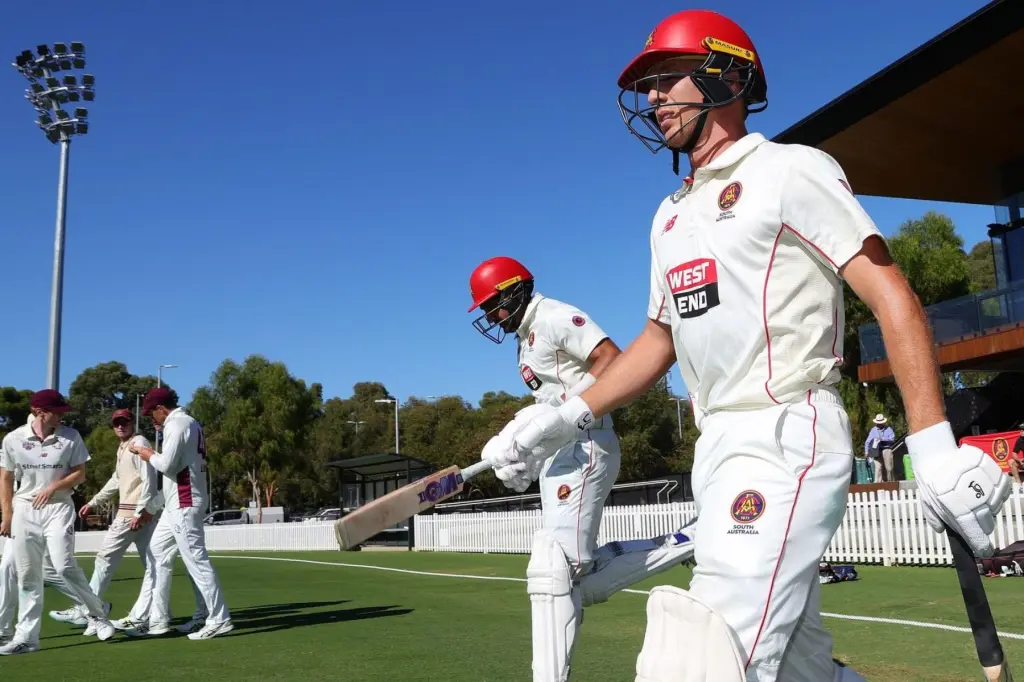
column 404, row 503
column 986, row 639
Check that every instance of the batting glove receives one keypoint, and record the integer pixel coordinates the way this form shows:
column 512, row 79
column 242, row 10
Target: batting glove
column 961, row 487
column 550, row 429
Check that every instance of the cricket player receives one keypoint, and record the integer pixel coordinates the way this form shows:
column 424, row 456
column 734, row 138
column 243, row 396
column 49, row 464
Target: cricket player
column 134, row 482
column 180, row 529
column 748, row 260
column 50, row 460
column 561, row 351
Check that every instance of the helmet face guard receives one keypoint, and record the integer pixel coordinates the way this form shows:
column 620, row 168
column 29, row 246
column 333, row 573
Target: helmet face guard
column 716, row 77
column 513, row 300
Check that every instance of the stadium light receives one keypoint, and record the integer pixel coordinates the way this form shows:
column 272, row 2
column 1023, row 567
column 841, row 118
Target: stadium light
column 395, row 401
column 46, row 94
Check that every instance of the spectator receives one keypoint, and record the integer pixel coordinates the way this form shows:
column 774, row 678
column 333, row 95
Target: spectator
column 878, row 447
column 1016, row 458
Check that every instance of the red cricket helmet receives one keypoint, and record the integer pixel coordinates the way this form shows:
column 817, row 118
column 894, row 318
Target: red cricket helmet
column 724, row 54
column 497, row 283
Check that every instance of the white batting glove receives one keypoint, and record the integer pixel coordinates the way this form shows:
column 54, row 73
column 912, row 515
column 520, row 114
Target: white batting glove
column 498, row 451
column 514, row 476
column 550, row 429
column 961, row 487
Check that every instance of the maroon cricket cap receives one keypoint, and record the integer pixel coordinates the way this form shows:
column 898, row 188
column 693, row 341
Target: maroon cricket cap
column 123, row 413
column 157, row 397
column 50, row 400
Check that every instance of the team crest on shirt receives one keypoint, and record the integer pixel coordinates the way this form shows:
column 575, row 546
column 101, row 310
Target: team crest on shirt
column 694, row 287
column 530, row 377
column 748, row 507
column 730, row 195
column 530, row 340
column 27, row 445
column 563, row 492
column 578, row 320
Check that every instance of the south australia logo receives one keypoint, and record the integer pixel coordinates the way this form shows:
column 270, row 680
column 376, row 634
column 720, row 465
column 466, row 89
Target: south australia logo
column 694, row 287
column 746, row 508
column 727, row 199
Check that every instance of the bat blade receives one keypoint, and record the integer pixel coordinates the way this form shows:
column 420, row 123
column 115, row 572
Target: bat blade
column 979, row 613
column 398, row 505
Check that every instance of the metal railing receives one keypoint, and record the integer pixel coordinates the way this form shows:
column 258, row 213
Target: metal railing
column 958, row 317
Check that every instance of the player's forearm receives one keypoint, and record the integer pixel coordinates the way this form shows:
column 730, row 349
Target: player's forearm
column 633, row 372
column 908, row 344
column 106, row 492
column 6, row 493
column 76, row 477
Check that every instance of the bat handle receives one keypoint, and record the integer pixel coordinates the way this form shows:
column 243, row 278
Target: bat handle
column 979, row 614
column 474, row 469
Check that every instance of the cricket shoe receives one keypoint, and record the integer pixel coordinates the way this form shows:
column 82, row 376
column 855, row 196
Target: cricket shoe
column 148, row 629
column 72, row 615
column 195, row 625
column 128, row 623
column 13, row 648
column 211, row 631
column 100, row 627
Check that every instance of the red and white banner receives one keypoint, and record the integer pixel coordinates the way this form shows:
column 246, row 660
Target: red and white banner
column 997, row 445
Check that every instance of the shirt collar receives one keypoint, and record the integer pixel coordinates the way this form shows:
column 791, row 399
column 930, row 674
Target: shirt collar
column 531, row 312
column 735, row 153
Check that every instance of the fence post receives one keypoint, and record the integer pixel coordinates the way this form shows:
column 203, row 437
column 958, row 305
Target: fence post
column 885, row 519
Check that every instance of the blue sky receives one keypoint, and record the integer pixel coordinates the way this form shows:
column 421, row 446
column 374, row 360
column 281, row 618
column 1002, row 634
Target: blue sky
column 272, row 177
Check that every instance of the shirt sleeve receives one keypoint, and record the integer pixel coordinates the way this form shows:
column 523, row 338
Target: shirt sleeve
column 175, row 440
column 7, row 456
column 658, row 303
column 575, row 332
column 148, row 475
column 819, row 206
column 79, row 453
column 107, row 491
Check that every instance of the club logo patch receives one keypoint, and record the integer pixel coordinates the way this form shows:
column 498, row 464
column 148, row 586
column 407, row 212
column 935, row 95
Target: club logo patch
column 578, row 321
column 563, row 492
column 694, row 287
column 530, row 377
column 748, row 507
column 730, row 195
column 530, row 340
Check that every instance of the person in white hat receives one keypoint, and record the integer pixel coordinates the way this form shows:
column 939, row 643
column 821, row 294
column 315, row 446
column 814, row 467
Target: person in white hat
column 881, row 438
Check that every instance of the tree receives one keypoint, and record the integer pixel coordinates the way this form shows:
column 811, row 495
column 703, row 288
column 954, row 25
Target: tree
column 981, row 267
column 257, row 418
column 14, row 408
column 103, row 388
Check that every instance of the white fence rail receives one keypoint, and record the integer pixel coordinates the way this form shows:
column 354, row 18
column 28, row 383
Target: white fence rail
column 882, row 527
column 267, row 537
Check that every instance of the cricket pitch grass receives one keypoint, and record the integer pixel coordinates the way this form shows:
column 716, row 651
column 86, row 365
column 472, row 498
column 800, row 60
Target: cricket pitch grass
column 304, row 616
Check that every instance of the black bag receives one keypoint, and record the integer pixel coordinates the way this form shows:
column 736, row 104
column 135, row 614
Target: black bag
column 827, row 573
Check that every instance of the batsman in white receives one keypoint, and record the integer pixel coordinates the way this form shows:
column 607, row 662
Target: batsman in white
column 561, row 351
column 135, row 484
column 748, row 260
column 180, row 529
column 50, row 460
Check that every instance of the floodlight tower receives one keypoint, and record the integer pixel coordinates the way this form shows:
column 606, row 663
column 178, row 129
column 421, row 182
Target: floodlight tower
column 47, row 94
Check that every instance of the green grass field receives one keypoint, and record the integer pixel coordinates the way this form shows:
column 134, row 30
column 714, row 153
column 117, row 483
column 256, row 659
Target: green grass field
column 313, row 621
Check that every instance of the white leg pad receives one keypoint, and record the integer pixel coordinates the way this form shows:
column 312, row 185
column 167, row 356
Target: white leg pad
column 555, row 609
column 618, row 565
column 844, row 674
column 686, row 641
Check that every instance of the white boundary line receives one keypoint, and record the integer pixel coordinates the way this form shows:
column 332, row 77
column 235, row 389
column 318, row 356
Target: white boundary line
column 838, row 616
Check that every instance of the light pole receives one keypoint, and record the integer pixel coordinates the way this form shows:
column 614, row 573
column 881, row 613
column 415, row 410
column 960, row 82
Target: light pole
column 357, row 423
column 395, row 401
column 679, row 415
column 46, row 93
column 160, row 374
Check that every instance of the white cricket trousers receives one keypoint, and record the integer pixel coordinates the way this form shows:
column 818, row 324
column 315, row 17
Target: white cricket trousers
column 9, row 587
column 771, row 487
column 574, row 485
column 119, row 537
column 181, row 530
column 34, row 533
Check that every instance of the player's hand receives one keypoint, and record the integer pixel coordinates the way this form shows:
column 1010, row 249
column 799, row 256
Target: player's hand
column 84, row 511
column 42, row 498
column 960, row 487
column 514, row 476
column 550, row 429
column 141, row 520
column 5, row 528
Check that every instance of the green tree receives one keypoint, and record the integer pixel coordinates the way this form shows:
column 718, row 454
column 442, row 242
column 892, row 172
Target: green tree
column 14, row 408
column 103, row 388
column 981, row 267
column 257, row 418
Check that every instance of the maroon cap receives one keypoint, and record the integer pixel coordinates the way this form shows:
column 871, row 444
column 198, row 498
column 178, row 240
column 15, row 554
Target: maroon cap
column 123, row 413
column 50, row 400
column 157, row 397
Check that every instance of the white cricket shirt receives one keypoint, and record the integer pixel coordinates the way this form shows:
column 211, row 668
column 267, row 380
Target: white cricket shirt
column 182, row 462
column 555, row 339
column 40, row 463
column 745, row 262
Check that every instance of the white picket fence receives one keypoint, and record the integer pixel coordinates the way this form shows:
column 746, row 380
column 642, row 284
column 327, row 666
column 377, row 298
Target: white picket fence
column 882, row 527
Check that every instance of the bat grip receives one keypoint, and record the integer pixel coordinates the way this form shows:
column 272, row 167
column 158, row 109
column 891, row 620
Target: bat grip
column 474, row 469
column 979, row 614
